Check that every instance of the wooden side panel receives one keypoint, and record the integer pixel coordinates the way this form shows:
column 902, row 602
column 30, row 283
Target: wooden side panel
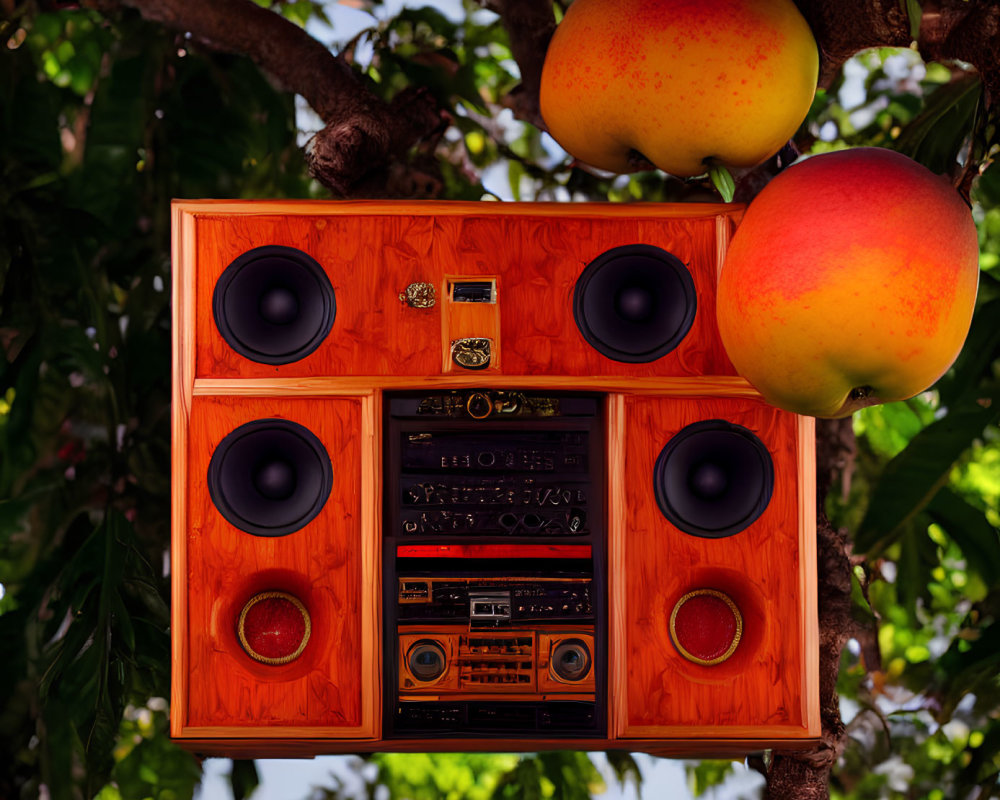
column 765, row 689
column 329, row 689
column 535, row 259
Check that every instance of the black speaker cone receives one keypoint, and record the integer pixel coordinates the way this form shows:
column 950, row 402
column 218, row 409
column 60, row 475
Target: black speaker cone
column 713, row 478
column 571, row 660
column 270, row 477
column 426, row 660
column 274, row 305
column 634, row 303
column 278, row 306
column 275, row 479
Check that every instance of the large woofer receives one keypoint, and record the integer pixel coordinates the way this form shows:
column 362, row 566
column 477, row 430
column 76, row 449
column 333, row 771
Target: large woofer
column 713, row 478
column 634, row 303
column 571, row 660
column 270, row 477
column 274, row 305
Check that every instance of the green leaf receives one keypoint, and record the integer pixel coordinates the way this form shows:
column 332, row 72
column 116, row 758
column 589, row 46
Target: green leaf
column 625, row 768
column 708, row 774
column 981, row 348
column 723, row 182
column 917, row 559
column 915, row 13
column 936, row 135
column 970, row 669
column 912, row 478
column 971, row 531
column 983, row 768
column 429, row 16
column 243, row 778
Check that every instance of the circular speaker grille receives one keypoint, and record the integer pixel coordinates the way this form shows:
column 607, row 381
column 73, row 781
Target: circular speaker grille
column 706, row 626
column 571, row 660
column 426, row 660
column 634, row 303
column 274, row 305
column 713, row 479
column 274, row 627
column 270, row 477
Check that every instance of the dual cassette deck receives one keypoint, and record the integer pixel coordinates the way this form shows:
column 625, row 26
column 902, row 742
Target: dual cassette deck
column 495, row 600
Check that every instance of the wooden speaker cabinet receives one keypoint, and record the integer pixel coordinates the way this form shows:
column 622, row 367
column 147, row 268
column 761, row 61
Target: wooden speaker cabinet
column 453, row 476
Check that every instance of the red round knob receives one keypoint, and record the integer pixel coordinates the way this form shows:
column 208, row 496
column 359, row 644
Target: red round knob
column 274, row 627
column 706, row 626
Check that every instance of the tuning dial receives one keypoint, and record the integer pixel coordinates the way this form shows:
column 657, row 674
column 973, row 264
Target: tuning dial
column 479, row 405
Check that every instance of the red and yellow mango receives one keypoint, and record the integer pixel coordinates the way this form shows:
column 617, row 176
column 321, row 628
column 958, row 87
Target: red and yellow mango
column 851, row 281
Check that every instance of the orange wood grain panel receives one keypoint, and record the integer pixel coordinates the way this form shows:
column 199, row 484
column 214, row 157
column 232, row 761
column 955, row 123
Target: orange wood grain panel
column 329, row 689
column 766, row 688
column 535, row 255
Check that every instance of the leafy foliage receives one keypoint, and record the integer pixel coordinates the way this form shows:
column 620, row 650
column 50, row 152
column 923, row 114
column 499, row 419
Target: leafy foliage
column 99, row 124
column 104, row 118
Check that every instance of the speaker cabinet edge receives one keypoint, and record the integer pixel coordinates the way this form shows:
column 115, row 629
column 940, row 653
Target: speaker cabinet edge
column 808, row 571
column 208, row 207
column 306, row 746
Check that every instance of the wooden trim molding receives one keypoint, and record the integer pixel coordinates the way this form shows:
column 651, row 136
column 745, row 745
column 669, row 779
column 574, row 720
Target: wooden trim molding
column 351, row 386
column 458, row 208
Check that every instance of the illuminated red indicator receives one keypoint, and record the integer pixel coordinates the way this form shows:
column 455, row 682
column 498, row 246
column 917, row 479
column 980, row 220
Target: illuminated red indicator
column 274, row 627
column 706, row 626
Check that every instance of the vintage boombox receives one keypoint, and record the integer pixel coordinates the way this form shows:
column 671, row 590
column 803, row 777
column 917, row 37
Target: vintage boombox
column 453, row 476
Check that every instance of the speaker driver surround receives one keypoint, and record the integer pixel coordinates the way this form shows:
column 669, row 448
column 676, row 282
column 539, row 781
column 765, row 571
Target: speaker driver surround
column 426, row 660
column 270, row 477
column 634, row 303
column 706, row 626
column 571, row 660
column 713, row 478
column 274, row 304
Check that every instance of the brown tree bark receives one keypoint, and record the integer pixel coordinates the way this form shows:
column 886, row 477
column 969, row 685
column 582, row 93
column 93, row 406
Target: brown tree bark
column 806, row 775
column 948, row 30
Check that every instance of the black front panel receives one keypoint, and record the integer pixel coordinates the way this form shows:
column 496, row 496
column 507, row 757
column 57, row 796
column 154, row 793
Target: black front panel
column 494, row 548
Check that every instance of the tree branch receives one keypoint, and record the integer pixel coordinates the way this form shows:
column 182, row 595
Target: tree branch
column 845, row 27
column 964, row 31
column 807, row 775
column 363, row 134
column 529, row 25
